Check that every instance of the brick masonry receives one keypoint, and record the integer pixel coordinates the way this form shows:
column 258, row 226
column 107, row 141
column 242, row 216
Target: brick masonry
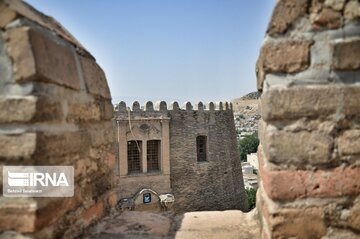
column 308, row 72
column 55, row 110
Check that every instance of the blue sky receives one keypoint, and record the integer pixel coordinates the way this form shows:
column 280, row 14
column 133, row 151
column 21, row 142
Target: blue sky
column 184, row 50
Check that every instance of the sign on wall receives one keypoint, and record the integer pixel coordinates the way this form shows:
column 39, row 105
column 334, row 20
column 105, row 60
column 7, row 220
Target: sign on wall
column 146, row 198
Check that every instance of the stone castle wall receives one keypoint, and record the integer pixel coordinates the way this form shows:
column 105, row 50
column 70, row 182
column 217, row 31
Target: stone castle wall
column 216, row 184
column 309, row 73
column 212, row 185
column 55, row 110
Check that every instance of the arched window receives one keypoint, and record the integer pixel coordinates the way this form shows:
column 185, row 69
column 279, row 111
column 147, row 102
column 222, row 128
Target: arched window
column 134, row 156
column 201, row 148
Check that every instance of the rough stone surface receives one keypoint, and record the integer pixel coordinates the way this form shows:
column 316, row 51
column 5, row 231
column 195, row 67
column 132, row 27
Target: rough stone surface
column 298, row 148
column 132, row 224
column 83, row 111
column 287, row 223
column 294, row 184
column 352, row 10
column 226, row 224
column 58, row 144
column 17, row 109
column 23, row 9
column 285, row 14
column 354, row 219
column 212, row 185
column 17, row 215
column 336, row 233
column 346, row 55
column 6, row 16
column 17, row 146
column 93, row 213
column 95, row 78
column 283, row 57
column 299, row 102
column 351, row 100
column 309, row 128
column 337, row 5
column 52, row 209
column 202, row 225
column 327, row 18
column 19, row 50
column 349, row 143
column 50, row 60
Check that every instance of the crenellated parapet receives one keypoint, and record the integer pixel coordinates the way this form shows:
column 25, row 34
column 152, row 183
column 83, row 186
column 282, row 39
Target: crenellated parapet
column 162, row 108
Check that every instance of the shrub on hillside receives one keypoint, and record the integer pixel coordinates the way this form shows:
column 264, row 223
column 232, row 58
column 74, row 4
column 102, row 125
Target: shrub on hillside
column 248, row 145
column 251, row 197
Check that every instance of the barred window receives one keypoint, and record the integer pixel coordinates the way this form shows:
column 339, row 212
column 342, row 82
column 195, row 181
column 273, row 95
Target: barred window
column 153, row 155
column 201, row 148
column 134, row 156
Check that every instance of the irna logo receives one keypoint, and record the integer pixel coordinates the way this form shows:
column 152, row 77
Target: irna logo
column 34, row 179
column 38, row 181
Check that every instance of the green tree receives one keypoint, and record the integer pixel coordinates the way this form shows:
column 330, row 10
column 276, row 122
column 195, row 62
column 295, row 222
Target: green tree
column 251, row 197
column 248, row 145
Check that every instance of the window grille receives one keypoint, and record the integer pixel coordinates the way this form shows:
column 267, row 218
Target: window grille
column 201, row 148
column 153, row 155
column 134, row 156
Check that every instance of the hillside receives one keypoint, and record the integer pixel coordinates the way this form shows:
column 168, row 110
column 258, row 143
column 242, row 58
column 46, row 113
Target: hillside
column 246, row 113
column 247, row 105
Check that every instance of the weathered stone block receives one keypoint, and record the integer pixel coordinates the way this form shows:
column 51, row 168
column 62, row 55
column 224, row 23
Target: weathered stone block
column 93, row 213
column 346, row 55
column 285, row 13
column 17, row 146
column 17, row 214
column 297, row 223
column 52, row 209
column 94, row 78
column 43, row 20
column 349, row 142
column 101, row 133
column 299, row 102
column 83, row 111
column 351, row 105
column 352, row 10
column 354, row 215
column 20, row 50
column 294, row 184
column 17, row 108
column 37, row 56
column 337, row 5
column 106, row 110
column 344, row 214
column 6, row 15
column 52, row 144
column 327, row 18
column 284, row 57
column 336, row 233
column 297, row 148
column 48, row 109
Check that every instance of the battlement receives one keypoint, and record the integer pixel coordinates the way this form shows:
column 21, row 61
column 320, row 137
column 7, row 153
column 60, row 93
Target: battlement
column 161, row 106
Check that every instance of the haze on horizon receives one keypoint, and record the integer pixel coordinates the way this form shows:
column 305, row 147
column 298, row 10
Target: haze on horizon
column 183, row 50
